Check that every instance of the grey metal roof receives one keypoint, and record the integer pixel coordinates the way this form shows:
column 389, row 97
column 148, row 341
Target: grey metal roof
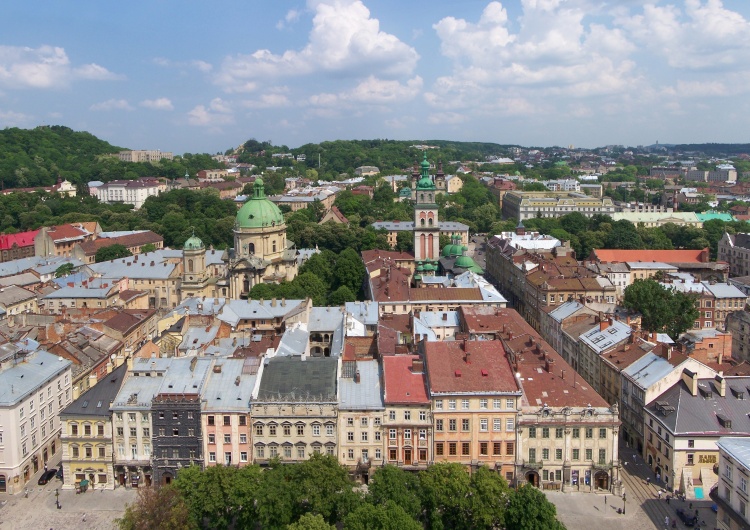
column 637, row 265
column 186, row 375
column 488, row 291
column 423, row 330
column 699, row 414
column 724, row 290
column 294, row 341
column 563, row 311
column 325, row 318
column 648, row 370
column 12, row 294
column 365, row 395
column 79, row 292
column 236, row 310
column 439, row 318
column 41, row 264
column 228, row 389
column 34, row 370
column 603, row 340
column 139, row 266
column 365, row 312
column 196, row 337
column 409, row 225
column 736, row 447
column 96, row 400
column 294, row 379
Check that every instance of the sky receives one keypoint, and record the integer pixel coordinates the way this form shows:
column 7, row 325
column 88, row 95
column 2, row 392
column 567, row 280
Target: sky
column 205, row 76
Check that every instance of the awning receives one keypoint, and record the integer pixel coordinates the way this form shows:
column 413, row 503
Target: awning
column 84, row 483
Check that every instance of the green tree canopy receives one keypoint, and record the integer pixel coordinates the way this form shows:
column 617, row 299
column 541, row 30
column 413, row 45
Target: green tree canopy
column 388, row 516
column 529, row 509
column 159, row 507
column 111, row 252
column 662, row 309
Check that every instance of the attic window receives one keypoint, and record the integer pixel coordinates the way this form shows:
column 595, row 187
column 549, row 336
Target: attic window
column 705, row 392
column 736, row 392
column 458, row 373
column 724, row 421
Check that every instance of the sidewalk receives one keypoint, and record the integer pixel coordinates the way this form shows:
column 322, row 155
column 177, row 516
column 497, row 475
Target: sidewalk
column 96, row 509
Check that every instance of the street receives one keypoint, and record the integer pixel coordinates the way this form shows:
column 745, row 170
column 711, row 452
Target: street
column 644, row 510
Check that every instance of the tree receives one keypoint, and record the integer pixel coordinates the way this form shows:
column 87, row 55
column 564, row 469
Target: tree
column 388, row 516
column 444, row 489
column 157, row 507
column 574, row 222
column 405, row 241
column 529, row 509
column 489, row 493
column 624, row 235
column 148, row 247
column 311, row 521
column 661, row 309
column 348, row 271
column 340, row 296
column 111, row 252
column 391, row 483
column 64, row 270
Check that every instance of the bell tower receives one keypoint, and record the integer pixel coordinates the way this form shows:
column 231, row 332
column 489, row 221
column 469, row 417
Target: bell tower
column 426, row 223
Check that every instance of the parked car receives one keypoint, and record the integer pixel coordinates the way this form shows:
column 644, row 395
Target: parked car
column 688, row 519
column 47, row 476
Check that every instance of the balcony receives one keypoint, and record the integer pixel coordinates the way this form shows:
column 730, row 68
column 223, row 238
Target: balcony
column 532, row 465
column 601, row 465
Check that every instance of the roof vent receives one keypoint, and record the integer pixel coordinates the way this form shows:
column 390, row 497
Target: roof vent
column 485, row 373
column 458, row 373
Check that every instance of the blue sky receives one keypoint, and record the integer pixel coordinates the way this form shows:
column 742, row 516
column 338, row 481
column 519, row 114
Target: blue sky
column 200, row 76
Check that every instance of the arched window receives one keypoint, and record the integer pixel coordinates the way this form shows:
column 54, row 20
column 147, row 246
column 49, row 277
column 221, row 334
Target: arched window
column 421, row 221
column 251, row 248
column 274, row 245
column 190, row 265
column 429, row 221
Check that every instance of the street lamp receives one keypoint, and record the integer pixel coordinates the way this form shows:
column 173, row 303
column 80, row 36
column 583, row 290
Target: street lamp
column 57, row 498
column 623, row 504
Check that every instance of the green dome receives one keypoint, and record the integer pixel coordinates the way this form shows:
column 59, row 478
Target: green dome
column 193, row 243
column 452, row 250
column 464, row 262
column 425, row 182
column 259, row 212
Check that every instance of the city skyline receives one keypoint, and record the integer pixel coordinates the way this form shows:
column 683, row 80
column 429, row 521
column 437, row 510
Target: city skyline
column 200, row 77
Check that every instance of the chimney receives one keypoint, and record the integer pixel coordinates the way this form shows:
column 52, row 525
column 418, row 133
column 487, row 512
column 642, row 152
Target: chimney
column 720, row 359
column 604, row 323
column 273, row 302
column 691, row 380
column 463, row 345
column 356, row 377
column 417, row 366
column 467, row 358
column 548, row 362
column 283, row 301
column 722, row 384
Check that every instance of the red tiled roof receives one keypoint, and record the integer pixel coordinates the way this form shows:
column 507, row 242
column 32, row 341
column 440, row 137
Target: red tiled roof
column 68, row 231
column 445, row 293
column 401, row 383
column 662, row 256
column 369, row 256
column 22, row 239
column 484, row 370
column 129, row 241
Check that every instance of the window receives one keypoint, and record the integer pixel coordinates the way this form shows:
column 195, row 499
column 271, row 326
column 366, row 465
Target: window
column 227, row 420
column 210, row 419
column 439, row 448
column 728, row 472
column 422, row 415
column 465, row 448
column 392, row 434
column 743, row 484
column 422, row 434
column 690, row 459
column 73, row 429
column 365, row 455
column 133, row 432
column 452, row 448
column 227, row 438
column 350, row 436
column 496, row 404
column 482, row 403
column 691, row 443
column 532, row 432
column 272, row 430
column 329, row 430
column 378, row 454
column 510, row 404
column 300, row 430
column 316, row 430
column 439, row 404
column 259, row 430
column 451, row 404
column 407, row 415
column 558, row 433
column 75, row 451
column 102, row 452
column 363, row 422
column 483, row 448
column 376, row 421
column 589, row 432
column 497, row 424
column 576, row 454
column 243, row 421
column 287, row 430
column 589, row 454
column 545, row 454
column 243, row 456
column 452, row 425
column 364, row 436
column 545, row 432
column 510, row 424
column 439, row 425
column 602, row 456
column 464, row 404
column 407, row 434
column 300, row 452
column 602, row 433
column 88, row 452
column 100, row 430
column 211, row 438
column 465, row 424
column 392, row 415
column 243, row 438
column 392, row 454
column 350, row 422
column 532, row 455
column 87, row 430
column 377, row 436
column 497, row 448
column 162, row 431
column 131, row 416
column 483, row 425
column 558, row 454
column 260, row 452
column 120, row 431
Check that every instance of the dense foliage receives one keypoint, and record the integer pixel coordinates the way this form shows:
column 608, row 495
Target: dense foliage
column 37, row 157
column 319, row 495
column 663, row 310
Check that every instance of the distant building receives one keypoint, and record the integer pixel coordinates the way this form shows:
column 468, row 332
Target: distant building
column 133, row 192
column 144, row 156
column 17, row 246
column 531, row 204
column 722, row 173
column 366, row 171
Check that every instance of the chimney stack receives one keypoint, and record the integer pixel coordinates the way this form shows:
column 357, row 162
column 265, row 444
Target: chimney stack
column 722, row 384
column 690, row 378
column 417, row 366
column 356, row 376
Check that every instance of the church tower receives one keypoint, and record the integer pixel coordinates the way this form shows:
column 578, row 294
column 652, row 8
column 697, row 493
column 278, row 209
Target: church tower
column 426, row 224
column 440, row 178
column 194, row 272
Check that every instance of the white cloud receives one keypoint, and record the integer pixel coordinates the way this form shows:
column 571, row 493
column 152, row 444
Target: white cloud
column 197, row 64
column 268, row 101
column 217, row 113
column 157, row 104
column 374, row 90
column 446, row 118
column 10, row 118
column 344, row 40
column 111, row 104
column 702, row 36
column 44, row 67
column 291, row 17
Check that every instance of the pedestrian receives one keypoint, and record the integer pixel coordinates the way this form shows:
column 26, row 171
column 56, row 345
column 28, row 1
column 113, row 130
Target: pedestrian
column 634, row 458
column 605, row 501
column 45, row 468
column 668, row 499
column 648, row 480
column 658, row 477
column 666, row 521
column 659, row 493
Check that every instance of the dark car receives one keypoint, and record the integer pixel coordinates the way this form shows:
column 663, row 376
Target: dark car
column 47, row 476
column 688, row 519
column 60, row 473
